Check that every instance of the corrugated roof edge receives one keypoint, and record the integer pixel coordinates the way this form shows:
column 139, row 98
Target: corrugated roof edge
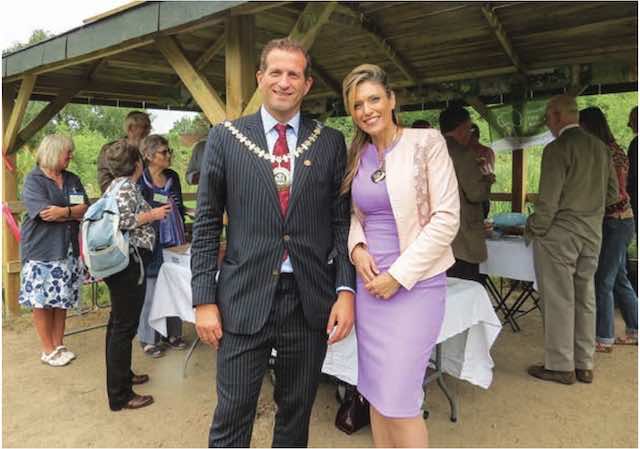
column 30, row 57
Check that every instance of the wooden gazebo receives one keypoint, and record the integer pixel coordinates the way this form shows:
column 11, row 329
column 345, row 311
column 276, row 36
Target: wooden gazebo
column 202, row 56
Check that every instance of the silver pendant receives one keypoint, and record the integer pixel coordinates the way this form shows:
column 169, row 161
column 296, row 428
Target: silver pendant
column 378, row 176
column 282, row 177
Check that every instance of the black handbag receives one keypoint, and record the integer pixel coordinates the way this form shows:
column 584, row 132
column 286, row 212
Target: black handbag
column 353, row 414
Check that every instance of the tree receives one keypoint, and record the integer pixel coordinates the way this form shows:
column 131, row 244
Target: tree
column 36, row 36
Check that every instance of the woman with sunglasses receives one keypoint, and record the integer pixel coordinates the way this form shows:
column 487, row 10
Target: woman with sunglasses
column 160, row 185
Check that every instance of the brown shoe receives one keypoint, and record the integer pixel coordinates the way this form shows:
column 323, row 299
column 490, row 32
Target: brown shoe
column 138, row 379
column 584, row 375
column 138, row 401
column 563, row 377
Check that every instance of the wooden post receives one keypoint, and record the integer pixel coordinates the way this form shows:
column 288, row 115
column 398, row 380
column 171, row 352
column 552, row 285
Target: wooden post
column 12, row 116
column 240, row 68
column 198, row 85
column 518, row 180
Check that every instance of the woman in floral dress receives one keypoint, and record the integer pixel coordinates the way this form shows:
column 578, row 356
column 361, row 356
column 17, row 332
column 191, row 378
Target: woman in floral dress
column 51, row 274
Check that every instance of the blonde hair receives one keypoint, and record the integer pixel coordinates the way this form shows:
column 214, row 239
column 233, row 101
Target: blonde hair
column 359, row 75
column 135, row 118
column 51, row 149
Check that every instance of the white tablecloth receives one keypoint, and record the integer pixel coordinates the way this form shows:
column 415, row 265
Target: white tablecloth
column 509, row 258
column 470, row 327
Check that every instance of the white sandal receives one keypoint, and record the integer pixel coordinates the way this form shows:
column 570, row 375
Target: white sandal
column 54, row 358
column 68, row 354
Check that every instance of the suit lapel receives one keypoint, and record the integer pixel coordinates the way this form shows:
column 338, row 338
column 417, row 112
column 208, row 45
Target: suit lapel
column 301, row 171
column 255, row 132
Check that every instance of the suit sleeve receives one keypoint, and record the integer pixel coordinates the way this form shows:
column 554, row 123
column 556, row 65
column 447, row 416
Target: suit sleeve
column 345, row 273
column 552, row 178
column 208, row 223
column 474, row 186
column 444, row 220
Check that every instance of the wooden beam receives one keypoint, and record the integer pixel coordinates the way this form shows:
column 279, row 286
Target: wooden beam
column 206, row 57
column 305, row 31
column 382, row 41
column 252, row 7
column 322, row 75
column 199, row 87
column 518, row 180
column 20, row 106
column 103, row 53
column 10, row 247
column 501, row 36
column 112, row 12
column 44, row 116
column 240, row 67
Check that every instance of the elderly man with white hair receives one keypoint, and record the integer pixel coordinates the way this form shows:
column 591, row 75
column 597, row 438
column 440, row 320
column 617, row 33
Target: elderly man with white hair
column 577, row 181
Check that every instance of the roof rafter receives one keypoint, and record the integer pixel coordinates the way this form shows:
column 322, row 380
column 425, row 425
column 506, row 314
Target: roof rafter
column 501, row 36
column 382, row 41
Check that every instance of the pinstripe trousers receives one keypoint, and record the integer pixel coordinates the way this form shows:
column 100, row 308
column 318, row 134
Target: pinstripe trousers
column 243, row 362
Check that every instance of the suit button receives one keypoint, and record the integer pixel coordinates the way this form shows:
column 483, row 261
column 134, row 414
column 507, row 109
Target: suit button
column 286, row 238
column 275, row 273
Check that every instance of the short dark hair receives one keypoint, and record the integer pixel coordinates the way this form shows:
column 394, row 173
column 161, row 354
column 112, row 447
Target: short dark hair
column 121, row 158
column 452, row 117
column 592, row 119
column 421, row 124
column 285, row 44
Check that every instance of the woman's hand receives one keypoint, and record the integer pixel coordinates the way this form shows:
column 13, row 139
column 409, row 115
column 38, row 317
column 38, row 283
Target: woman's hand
column 161, row 212
column 383, row 286
column 54, row 213
column 364, row 263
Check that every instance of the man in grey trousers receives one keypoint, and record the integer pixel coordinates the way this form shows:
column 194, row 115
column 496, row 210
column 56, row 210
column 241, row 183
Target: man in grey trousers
column 285, row 281
column 577, row 181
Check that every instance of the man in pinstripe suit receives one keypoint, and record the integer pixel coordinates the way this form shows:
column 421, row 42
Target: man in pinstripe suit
column 286, row 281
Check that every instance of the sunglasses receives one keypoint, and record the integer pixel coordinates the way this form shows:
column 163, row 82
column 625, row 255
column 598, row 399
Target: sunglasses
column 165, row 152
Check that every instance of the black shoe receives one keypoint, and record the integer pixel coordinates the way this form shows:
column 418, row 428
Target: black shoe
column 584, row 375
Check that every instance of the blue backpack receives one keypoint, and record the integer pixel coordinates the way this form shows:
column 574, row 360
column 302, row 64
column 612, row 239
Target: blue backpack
column 105, row 248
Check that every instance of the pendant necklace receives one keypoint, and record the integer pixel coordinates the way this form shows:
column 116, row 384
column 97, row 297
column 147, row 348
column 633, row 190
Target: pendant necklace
column 380, row 174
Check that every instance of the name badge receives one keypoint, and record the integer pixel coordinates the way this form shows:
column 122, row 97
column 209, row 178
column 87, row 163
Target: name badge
column 160, row 198
column 76, row 199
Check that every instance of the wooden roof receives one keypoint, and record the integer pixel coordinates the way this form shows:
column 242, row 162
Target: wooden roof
column 429, row 49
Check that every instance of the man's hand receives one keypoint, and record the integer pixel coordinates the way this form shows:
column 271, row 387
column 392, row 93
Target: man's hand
column 341, row 317
column 364, row 263
column 383, row 286
column 53, row 213
column 209, row 324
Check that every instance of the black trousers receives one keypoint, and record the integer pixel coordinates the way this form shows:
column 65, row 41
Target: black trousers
column 127, row 298
column 243, row 362
column 466, row 270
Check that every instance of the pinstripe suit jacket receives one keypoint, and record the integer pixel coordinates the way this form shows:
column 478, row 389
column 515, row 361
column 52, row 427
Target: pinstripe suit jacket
column 314, row 230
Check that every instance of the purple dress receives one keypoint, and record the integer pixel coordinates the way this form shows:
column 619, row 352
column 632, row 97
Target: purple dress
column 395, row 336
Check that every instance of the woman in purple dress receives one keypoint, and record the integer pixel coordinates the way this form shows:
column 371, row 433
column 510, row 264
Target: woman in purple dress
column 405, row 216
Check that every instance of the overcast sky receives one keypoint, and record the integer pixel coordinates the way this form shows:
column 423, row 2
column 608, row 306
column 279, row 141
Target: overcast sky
column 19, row 18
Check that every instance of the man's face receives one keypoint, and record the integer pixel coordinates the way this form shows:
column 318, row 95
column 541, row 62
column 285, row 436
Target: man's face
column 283, row 84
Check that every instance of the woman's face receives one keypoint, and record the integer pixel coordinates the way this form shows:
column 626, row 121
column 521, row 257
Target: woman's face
column 161, row 158
column 65, row 159
column 372, row 108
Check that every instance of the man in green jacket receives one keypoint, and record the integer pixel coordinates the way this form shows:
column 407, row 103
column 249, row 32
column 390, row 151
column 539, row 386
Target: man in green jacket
column 469, row 247
column 577, row 181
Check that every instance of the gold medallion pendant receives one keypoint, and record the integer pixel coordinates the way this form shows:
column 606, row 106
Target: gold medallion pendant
column 282, row 177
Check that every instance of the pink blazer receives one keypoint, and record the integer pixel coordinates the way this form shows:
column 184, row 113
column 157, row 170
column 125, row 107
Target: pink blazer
column 423, row 191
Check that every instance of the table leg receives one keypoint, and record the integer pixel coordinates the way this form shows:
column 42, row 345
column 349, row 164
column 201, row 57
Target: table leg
column 188, row 356
column 501, row 303
column 438, row 375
